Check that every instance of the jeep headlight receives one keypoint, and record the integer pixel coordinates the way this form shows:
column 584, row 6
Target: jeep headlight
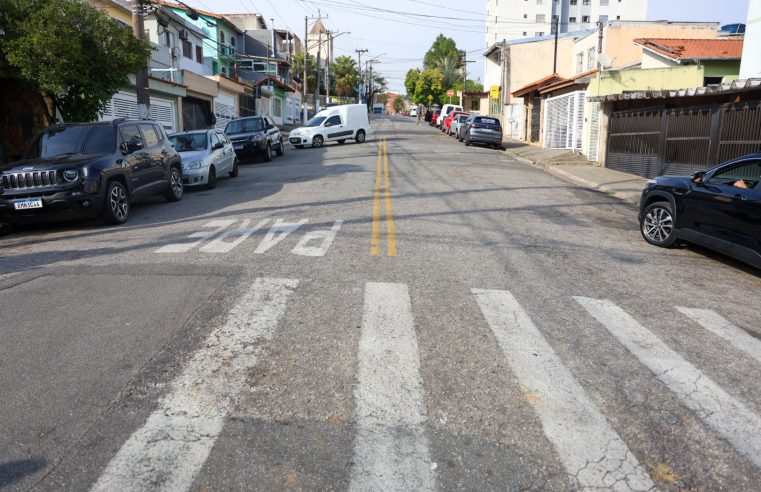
column 70, row 175
column 194, row 165
column 257, row 137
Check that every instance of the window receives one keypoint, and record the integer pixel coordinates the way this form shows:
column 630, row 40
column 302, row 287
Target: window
column 587, row 2
column 525, row 33
column 131, row 136
column 572, row 20
column 603, row 19
column 604, row 3
column 222, row 37
column 168, row 39
column 159, row 133
column 223, row 71
column 525, row 16
column 749, row 172
column 100, row 141
column 333, row 121
column 540, row 2
column 232, row 42
column 199, row 54
column 149, row 135
column 573, row 2
column 540, row 18
column 215, row 139
column 585, row 19
column 187, row 49
column 539, row 33
column 591, row 58
column 475, row 105
column 579, row 62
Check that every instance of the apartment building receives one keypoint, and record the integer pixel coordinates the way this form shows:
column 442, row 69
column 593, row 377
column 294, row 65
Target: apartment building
column 515, row 19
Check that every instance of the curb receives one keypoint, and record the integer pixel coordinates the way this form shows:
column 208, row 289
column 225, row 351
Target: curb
column 566, row 176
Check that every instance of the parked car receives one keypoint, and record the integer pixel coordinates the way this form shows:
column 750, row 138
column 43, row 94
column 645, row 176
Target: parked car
column 90, row 169
column 255, row 136
column 413, row 112
column 446, row 125
column 336, row 124
column 206, row 154
column 719, row 209
column 482, row 130
column 445, row 111
column 457, row 123
column 378, row 108
column 428, row 115
column 434, row 117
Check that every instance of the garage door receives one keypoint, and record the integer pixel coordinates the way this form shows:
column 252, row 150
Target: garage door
column 124, row 105
column 564, row 121
column 224, row 109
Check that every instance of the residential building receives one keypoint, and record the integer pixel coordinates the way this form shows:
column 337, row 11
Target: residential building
column 719, row 58
column 751, row 62
column 320, row 42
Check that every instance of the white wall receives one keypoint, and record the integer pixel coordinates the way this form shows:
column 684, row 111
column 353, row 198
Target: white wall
column 751, row 61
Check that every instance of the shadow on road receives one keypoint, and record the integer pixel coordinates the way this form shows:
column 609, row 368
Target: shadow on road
column 13, row 471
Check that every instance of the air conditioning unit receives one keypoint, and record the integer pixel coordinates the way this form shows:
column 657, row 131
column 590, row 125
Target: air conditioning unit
column 184, row 34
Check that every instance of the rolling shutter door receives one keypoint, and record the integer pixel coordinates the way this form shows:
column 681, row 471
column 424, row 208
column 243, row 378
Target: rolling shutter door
column 124, row 105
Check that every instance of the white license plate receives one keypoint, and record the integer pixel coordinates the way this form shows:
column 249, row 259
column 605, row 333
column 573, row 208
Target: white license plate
column 238, row 147
column 27, row 203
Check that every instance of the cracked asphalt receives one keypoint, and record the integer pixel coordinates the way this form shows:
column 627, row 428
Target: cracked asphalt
column 103, row 329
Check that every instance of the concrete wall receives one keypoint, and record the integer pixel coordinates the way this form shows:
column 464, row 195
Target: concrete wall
column 751, row 62
column 530, row 62
column 620, row 81
column 728, row 70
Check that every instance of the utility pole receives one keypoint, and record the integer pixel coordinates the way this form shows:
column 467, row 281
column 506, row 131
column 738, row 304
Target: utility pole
column 141, row 77
column 327, row 71
column 317, row 78
column 359, row 69
column 556, row 23
column 305, row 83
column 600, row 39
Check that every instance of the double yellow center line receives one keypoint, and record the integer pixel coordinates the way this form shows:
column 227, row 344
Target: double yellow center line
column 381, row 178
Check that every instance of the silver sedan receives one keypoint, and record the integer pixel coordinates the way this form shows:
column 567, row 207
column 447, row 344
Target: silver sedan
column 206, row 154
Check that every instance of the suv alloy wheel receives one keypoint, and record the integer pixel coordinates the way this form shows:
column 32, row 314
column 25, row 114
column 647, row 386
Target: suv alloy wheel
column 657, row 224
column 175, row 191
column 116, row 207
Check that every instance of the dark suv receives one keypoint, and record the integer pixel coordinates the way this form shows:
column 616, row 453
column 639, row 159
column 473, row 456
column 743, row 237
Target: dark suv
column 90, row 169
column 719, row 209
column 255, row 136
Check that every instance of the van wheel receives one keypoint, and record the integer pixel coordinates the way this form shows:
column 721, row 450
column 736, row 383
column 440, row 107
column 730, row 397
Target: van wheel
column 360, row 138
column 317, row 141
column 341, row 142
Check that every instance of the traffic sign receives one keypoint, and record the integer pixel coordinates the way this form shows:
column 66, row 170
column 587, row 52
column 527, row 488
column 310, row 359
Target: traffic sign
column 450, row 93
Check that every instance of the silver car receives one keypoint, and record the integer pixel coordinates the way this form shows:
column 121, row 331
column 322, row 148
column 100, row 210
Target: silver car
column 206, row 154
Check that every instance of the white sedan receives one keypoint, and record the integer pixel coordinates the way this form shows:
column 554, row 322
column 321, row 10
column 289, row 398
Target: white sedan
column 206, row 154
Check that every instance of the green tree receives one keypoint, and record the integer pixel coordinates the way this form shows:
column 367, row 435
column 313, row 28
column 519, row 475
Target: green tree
column 377, row 88
column 344, row 76
column 430, row 83
column 410, row 81
column 474, row 86
column 297, row 70
column 69, row 51
column 441, row 48
column 399, row 104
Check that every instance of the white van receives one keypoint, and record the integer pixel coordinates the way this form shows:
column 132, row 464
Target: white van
column 335, row 124
column 445, row 110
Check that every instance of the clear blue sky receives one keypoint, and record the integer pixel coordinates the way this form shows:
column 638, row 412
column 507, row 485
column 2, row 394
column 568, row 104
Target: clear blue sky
column 403, row 40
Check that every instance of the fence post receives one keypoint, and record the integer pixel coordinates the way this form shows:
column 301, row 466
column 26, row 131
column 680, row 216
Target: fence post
column 715, row 135
column 662, row 141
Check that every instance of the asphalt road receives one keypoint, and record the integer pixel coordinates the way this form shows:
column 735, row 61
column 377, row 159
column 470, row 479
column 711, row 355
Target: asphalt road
column 406, row 314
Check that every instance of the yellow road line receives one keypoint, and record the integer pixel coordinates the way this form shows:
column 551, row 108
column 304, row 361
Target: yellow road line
column 390, row 228
column 375, row 239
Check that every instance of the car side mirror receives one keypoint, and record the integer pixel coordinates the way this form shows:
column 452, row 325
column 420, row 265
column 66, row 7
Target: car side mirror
column 269, row 127
column 698, row 177
column 219, row 145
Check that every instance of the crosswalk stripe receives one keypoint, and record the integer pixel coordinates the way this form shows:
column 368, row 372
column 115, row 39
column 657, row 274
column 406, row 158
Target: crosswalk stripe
column 391, row 449
column 590, row 449
column 173, row 444
column 719, row 326
column 719, row 410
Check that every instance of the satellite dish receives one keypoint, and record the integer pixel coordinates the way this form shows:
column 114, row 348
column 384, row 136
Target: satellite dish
column 605, row 61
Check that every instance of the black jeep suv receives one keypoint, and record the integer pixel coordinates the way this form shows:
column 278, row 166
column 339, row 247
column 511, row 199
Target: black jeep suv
column 90, row 169
column 255, row 136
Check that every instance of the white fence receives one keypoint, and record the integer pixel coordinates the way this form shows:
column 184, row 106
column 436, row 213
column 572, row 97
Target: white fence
column 515, row 121
column 564, row 121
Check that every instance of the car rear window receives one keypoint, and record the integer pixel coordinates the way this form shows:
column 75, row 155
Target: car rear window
column 487, row 121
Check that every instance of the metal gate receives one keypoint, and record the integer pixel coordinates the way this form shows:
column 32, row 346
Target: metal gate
column 564, row 121
column 656, row 141
column 124, row 105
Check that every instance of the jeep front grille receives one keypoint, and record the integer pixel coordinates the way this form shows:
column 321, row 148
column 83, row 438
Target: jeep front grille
column 32, row 179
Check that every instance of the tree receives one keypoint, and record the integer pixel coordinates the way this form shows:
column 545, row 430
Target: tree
column 297, row 70
column 345, row 76
column 430, row 83
column 69, row 51
column 474, row 86
column 398, row 104
column 378, row 86
column 410, row 81
column 441, row 48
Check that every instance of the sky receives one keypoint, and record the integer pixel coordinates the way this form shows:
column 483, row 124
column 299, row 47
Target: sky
column 400, row 40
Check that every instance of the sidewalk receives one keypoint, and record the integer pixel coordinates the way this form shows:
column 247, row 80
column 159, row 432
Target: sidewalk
column 575, row 168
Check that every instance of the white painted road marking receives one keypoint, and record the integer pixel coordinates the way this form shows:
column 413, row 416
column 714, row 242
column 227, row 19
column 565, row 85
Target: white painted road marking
column 219, row 225
column 171, row 448
column 327, row 238
column 717, row 325
column 277, row 233
column 590, row 449
column 219, row 245
column 391, row 448
column 714, row 406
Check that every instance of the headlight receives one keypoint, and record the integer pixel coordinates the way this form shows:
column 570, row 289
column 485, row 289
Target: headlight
column 194, row 165
column 70, row 174
column 257, row 137
column 651, row 182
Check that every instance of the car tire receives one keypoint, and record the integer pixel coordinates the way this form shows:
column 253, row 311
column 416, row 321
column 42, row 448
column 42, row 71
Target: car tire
column 657, row 224
column 318, row 141
column 211, row 181
column 467, row 141
column 341, row 142
column 361, row 136
column 175, row 191
column 234, row 172
column 116, row 204
column 267, row 154
column 280, row 150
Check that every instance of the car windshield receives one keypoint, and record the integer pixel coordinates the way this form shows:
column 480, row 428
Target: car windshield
column 245, row 126
column 188, row 142
column 316, row 121
column 74, row 139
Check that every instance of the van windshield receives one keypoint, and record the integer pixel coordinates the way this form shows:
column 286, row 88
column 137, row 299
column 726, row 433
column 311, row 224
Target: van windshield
column 316, row 121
